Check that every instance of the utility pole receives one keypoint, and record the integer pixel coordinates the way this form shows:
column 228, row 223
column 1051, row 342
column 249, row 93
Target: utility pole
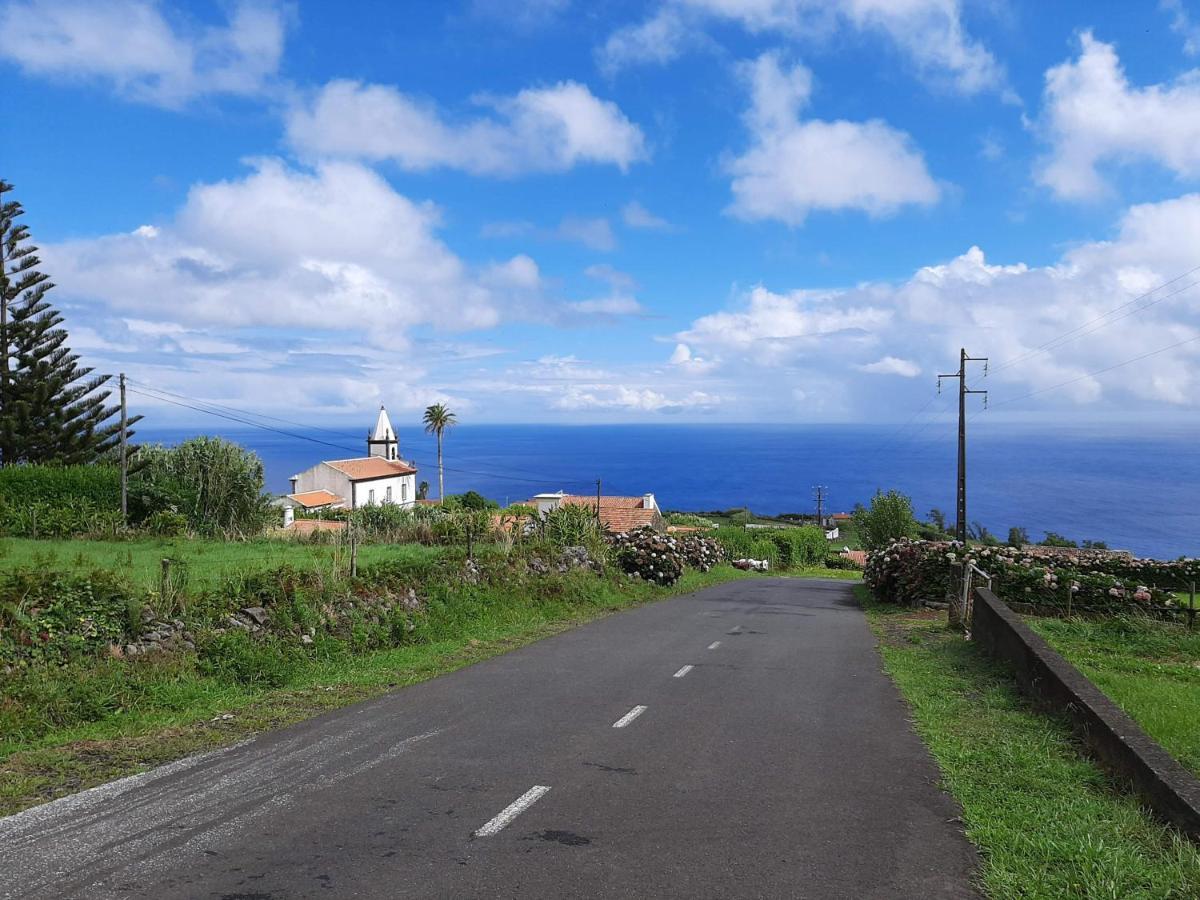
column 820, row 490
column 124, row 456
column 960, row 530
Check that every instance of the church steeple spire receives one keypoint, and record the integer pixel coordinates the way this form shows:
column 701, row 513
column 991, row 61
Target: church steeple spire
column 382, row 440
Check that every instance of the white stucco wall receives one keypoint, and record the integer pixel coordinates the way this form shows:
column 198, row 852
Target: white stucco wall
column 322, row 477
column 404, row 491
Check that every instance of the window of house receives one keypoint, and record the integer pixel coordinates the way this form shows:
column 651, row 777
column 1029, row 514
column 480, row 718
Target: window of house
column 404, row 492
column 371, row 497
column 388, row 494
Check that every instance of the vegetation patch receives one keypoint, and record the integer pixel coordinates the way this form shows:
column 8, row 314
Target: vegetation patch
column 1149, row 668
column 1048, row 822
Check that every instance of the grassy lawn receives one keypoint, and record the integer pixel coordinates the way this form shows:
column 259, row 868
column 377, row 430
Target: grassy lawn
column 64, row 730
column 1047, row 821
column 1150, row 669
column 208, row 562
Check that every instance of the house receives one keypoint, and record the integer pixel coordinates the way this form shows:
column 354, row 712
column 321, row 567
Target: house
column 617, row 514
column 379, row 477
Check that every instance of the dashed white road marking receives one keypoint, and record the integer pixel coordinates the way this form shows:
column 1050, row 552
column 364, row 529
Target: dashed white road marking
column 629, row 717
column 714, row 645
column 735, row 629
column 514, row 809
column 682, row 672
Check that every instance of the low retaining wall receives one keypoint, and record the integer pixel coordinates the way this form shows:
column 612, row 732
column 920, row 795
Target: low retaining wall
column 1111, row 735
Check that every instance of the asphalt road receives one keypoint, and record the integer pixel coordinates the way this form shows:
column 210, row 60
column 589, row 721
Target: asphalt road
column 780, row 764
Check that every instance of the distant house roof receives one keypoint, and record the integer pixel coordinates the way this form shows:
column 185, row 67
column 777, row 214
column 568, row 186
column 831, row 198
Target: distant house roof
column 313, row 499
column 370, row 467
column 618, row 514
column 841, row 517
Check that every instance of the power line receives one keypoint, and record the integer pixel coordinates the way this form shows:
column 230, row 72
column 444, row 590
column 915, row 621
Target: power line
column 1119, row 365
column 1073, row 334
column 244, row 421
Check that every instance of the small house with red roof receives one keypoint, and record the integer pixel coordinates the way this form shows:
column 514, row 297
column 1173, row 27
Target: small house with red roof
column 380, row 477
column 617, row 514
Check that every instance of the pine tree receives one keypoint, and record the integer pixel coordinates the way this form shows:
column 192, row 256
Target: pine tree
column 51, row 408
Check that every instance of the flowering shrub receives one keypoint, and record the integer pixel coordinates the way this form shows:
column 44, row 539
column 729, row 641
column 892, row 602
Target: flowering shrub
column 660, row 558
column 908, row 571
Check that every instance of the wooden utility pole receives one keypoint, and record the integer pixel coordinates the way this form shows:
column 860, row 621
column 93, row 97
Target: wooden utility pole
column 960, row 530
column 820, row 490
column 124, row 456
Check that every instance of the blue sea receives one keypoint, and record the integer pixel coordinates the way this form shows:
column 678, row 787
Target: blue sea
column 1139, row 492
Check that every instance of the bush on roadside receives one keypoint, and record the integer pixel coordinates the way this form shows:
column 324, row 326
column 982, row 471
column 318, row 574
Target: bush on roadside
column 908, row 571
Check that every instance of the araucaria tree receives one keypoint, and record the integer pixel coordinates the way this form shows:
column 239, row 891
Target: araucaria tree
column 51, row 408
column 437, row 420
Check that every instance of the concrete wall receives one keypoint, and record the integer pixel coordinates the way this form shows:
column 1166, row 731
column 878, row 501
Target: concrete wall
column 1115, row 740
column 323, row 478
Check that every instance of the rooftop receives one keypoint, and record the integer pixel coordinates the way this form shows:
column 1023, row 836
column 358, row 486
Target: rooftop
column 370, row 467
column 313, row 499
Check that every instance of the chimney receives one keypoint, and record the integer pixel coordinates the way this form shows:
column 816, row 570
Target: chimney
column 648, row 502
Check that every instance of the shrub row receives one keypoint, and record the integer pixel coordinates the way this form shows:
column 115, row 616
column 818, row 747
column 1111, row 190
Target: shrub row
column 784, row 548
column 661, row 558
column 909, row 571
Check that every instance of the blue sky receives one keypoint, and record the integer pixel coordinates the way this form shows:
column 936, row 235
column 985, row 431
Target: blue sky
column 687, row 210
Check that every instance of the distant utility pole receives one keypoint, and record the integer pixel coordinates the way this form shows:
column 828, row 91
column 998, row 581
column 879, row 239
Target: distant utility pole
column 124, row 456
column 960, row 530
column 820, row 497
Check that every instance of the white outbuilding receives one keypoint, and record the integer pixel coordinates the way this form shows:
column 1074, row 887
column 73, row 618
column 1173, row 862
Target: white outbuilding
column 377, row 478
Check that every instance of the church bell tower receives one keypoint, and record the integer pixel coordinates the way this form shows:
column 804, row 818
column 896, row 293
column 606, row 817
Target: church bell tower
column 382, row 441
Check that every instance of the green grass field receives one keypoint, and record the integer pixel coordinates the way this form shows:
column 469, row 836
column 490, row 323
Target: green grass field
column 1150, row 669
column 1047, row 821
column 207, row 562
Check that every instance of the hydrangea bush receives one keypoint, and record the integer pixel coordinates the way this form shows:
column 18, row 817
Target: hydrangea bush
column 910, row 571
column 661, row 558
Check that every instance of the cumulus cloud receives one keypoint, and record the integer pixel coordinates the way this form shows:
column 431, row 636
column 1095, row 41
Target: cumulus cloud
column 595, row 234
column 892, row 365
column 1011, row 313
column 335, row 249
column 1092, row 115
column 795, row 166
column 131, row 47
column 543, row 129
column 929, row 33
column 631, row 398
column 637, row 216
column 1182, row 25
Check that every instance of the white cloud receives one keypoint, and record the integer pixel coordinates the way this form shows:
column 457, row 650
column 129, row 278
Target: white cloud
column 615, row 278
column 637, row 216
column 545, row 129
column 336, row 249
column 821, row 340
column 615, row 305
column 631, row 398
column 795, row 166
column 595, row 234
column 1093, row 115
column 892, row 365
column 130, row 46
column 1182, row 25
column 682, row 358
column 929, row 33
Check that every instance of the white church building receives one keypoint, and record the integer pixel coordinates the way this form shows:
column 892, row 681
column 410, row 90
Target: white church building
column 377, row 478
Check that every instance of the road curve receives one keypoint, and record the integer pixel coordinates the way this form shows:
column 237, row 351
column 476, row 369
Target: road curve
column 741, row 741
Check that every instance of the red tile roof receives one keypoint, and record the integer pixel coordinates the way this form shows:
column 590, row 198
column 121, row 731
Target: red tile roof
column 310, row 499
column 618, row 514
column 370, row 467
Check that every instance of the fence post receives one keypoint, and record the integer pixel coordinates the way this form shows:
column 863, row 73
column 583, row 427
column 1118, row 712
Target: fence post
column 953, row 613
column 1192, row 607
column 164, row 582
column 353, row 550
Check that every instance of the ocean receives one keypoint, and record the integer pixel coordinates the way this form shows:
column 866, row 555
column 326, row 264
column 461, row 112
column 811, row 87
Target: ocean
column 1137, row 491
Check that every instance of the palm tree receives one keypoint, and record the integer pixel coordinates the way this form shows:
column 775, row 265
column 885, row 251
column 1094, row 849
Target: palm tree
column 437, row 419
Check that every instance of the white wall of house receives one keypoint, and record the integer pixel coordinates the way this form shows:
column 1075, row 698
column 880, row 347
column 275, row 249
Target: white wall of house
column 402, row 488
